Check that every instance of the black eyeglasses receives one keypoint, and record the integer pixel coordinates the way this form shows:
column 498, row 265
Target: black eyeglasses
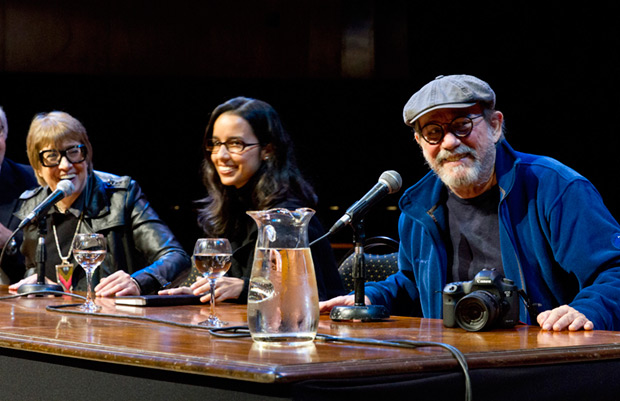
column 231, row 145
column 51, row 158
column 461, row 127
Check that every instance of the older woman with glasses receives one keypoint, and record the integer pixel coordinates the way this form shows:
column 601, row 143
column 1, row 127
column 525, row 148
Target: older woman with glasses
column 143, row 254
column 249, row 164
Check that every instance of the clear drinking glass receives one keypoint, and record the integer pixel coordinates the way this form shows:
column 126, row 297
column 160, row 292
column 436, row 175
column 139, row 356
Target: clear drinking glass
column 89, row 251
column 212, row 259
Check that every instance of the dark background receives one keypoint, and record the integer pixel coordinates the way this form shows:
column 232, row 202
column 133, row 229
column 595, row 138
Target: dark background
column 143, row 76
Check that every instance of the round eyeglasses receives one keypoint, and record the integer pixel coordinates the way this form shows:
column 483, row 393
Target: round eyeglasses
column 461, row 127
column 231, row 145
column 52, row 157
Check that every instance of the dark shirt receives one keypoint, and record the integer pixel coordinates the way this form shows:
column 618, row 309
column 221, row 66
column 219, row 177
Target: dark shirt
column 243, row 237
column 474, row 231
column 66, row 225
column 15, row 178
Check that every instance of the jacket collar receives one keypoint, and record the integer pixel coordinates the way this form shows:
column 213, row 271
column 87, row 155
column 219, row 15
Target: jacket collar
column 506, row 163
column 427, row 195
column 98, row 203
column 95, row 198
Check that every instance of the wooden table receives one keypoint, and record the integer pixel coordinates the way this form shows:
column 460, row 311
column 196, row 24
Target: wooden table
column 50, row 355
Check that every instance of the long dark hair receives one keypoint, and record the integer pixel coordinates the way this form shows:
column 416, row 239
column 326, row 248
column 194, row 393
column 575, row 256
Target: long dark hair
column 278, row 177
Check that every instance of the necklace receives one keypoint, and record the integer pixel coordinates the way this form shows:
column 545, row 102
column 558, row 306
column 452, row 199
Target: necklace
column 64, row 270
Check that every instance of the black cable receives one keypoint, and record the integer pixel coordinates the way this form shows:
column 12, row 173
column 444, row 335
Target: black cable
column 319, row 239
column 58, row 308
column 532, row 308
column 456, row 353
column 243, row 331
column 42, row 292
column 235, row 332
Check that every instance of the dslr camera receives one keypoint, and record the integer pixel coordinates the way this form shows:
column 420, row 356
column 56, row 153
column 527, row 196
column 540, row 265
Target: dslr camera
column 489, row 300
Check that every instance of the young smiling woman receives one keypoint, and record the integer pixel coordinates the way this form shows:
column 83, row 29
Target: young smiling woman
column 249, row 164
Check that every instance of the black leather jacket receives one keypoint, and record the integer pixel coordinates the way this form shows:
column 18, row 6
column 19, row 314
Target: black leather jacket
column 139, row 242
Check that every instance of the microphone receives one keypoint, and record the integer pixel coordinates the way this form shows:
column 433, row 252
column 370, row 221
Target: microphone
column 389, row 182
column 63, row 189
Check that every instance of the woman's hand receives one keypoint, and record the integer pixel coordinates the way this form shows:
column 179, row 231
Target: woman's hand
column 117, row 284
column 176, row 291
column 32, row 279
column 225, row 288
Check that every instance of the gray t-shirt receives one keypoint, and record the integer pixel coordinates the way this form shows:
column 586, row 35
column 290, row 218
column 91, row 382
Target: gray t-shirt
column 474, row 232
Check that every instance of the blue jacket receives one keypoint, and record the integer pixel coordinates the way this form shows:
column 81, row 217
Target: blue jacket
column 558, row 241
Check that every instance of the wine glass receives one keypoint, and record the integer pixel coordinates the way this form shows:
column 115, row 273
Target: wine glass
column 212, row 259
column 89, row 251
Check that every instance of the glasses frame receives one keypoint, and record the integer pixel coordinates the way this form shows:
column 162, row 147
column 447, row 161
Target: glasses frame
column 215, row 147
column 471, row 118
column 63, row 153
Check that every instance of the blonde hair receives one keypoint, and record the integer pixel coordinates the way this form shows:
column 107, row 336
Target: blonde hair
column 51, row 129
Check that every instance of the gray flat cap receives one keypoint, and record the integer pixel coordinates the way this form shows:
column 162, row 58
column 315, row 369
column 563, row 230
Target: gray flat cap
column 450, row 91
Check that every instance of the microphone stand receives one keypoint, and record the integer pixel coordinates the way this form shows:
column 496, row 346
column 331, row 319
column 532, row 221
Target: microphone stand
column 359, row 311
column 41, row 255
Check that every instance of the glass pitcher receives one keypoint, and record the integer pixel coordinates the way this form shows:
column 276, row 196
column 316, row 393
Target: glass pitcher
column 283, row 300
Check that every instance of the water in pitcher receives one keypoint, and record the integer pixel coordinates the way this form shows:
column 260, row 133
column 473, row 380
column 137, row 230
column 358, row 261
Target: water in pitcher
column 283, row 301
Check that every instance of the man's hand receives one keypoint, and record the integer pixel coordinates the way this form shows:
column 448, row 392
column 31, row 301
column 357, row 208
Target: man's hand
column 346, row 300
column 564, row 317
column 119, row 283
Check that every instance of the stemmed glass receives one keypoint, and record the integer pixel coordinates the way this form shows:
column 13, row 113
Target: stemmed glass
column 89, row 251
column 212, row 259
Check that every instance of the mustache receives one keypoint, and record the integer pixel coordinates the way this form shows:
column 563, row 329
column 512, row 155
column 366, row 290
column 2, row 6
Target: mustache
column 462, row 150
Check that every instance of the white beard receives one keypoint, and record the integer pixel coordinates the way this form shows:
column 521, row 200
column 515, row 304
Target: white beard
column 477, row 173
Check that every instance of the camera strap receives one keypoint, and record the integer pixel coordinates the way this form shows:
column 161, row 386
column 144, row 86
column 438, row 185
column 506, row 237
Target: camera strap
column 531, row 307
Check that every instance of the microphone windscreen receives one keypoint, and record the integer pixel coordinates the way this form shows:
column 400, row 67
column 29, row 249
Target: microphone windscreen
column 66, row 187
column 392, row 179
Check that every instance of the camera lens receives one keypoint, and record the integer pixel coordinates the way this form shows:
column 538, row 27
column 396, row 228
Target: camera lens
column 477, row 311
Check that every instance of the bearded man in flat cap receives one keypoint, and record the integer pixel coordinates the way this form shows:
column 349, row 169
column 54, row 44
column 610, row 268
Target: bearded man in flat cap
column 484, row 205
